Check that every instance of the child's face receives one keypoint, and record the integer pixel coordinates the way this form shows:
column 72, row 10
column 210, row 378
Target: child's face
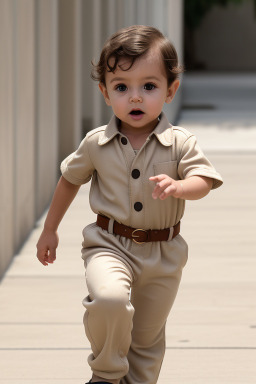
column 137, row 95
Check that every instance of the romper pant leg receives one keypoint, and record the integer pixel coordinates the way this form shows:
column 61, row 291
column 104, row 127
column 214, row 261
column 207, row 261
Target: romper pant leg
column 108, row 316
column 152, row 298
column 152, row 304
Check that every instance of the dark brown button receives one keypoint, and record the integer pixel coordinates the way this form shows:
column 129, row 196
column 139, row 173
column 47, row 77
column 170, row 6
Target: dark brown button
column 135, row 173
column 124, row 140
column 138, row 206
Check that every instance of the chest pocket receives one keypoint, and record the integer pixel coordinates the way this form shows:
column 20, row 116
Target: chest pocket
column 168, row 168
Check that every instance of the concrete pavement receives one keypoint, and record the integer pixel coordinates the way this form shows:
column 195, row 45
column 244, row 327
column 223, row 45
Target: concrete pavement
column 211, row 331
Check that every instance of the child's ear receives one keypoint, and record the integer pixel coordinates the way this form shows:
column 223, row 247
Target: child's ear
column 104, row 92
column 172, row 89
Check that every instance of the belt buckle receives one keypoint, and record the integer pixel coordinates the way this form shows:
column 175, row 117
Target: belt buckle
column 133, row 235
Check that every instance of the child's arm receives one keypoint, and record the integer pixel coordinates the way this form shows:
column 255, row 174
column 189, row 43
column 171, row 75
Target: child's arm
column 192, row 188
column 48, row 242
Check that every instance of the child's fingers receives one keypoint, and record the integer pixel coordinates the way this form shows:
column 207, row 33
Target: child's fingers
column 46, row 256
column 46, row 247
column 42, row 257
column 158, row 190
column 161, row 186
column 161, row 181
column 51, row 255
column 162, row 192
column 157, row 178
column 170, row 190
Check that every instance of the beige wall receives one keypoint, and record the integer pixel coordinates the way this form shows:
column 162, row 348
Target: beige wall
column 24, row 119
column 69, row 81
column 6, row 136
column 28, row 117
column 46, row 116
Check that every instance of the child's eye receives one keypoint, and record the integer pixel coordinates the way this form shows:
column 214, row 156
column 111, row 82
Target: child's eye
column 149, row 87
column 121, row 87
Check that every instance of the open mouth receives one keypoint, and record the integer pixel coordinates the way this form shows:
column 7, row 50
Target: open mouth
column 136, row 112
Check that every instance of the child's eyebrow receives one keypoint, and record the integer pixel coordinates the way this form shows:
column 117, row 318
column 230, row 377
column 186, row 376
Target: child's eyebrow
column 117, row 79
column 153, row 78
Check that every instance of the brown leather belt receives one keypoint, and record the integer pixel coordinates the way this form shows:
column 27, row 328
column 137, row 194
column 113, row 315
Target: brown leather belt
column 139, row 236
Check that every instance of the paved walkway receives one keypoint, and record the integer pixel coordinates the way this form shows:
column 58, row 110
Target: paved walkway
column 211, row 332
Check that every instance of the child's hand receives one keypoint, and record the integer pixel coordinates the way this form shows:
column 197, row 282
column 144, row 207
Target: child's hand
column 46, row 246
column 166, row 186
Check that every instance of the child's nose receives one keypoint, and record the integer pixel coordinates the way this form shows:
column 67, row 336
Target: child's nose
column 135, row 98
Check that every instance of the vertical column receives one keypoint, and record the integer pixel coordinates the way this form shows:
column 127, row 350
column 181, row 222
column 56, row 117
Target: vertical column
column 6, row 134
column 130, row 13
column 24, row 119
column 70, row 119
column 96, row 47
column 109, row 9
column 46, row 100
column 175, row 34
column 120, row 9
column 78, row 71
column 142, row 12
column 160, row 16
column 175, row 25
column 112, row 17
column 87, row 56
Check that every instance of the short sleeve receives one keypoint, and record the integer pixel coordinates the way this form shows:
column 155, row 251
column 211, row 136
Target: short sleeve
column 193, row 162
column 77, row 168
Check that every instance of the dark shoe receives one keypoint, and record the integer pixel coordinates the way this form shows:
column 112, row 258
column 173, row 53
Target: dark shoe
column 98, row 382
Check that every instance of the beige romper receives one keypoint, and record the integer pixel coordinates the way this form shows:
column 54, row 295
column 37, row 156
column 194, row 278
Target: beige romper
column 132, row 286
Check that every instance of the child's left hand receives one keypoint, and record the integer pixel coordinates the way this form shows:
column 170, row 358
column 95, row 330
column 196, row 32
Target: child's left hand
column 166, row 186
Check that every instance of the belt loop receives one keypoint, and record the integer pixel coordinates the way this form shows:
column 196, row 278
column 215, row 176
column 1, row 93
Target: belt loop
column 111, row 226
column 170, row 234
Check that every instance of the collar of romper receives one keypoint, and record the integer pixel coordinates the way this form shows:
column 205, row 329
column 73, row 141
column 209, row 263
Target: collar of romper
column 163, row 131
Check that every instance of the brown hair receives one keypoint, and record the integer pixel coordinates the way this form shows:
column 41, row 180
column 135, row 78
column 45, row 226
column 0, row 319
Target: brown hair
column 132, row 43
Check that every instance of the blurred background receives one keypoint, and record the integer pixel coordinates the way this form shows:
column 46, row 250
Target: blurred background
column 48, row 101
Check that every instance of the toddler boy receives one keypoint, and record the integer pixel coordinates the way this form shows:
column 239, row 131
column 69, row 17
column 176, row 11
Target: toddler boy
column 142, row 170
